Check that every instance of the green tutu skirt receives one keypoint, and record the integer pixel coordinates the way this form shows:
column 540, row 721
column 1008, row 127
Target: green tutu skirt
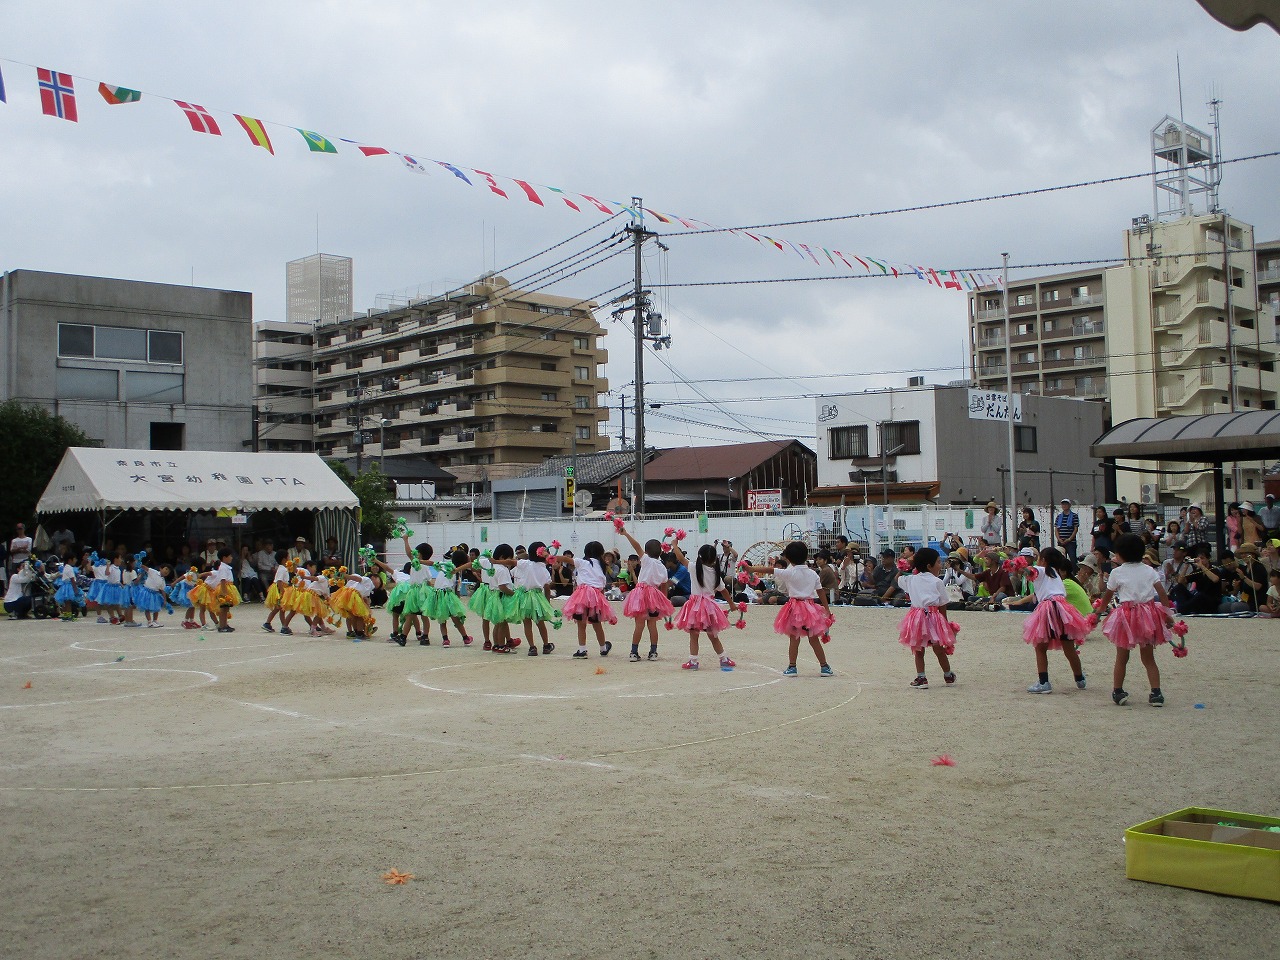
column 532, row 605
column 418, row 598
column 398, row 595
column 445, row 605
column 486, row 603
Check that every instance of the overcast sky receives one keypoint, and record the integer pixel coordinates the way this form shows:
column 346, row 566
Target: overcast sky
column 730, row 112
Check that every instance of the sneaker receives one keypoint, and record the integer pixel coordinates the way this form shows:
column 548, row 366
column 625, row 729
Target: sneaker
column 791, row 671
column 1119, row 697
column 826, row 670
column 402, row 640
column 444, row 642
column 135, row 623
column 635, row 657
column 727, row 662
column 424, row 641
column 467, row 641
column 653, row 654
column 533, row 650
column 1156, row 699
column 548, row 647
column 608, row 645
column 689, row 665
column 950, row 678
column 579, row 654
column 224, row 629
column 488, row 645
column 269, row 628
column 920, row 683
column 103, row 620
column 1045, row 687
column 286, row 632
column 1080, row 684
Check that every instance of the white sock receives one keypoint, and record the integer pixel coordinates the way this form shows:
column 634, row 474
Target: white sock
column 582, row 647
column 921, row 675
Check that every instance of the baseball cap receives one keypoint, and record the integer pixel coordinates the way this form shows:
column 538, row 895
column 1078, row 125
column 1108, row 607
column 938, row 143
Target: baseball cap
column 1026, row 552
column 1066, row 500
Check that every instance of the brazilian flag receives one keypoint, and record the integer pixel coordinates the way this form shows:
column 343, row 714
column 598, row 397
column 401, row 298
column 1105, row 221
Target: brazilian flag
column 317, row 143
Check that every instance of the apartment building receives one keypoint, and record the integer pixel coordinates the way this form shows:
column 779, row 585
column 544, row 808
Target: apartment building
column 484, row 381
column 1177, row 329
column 283, row 386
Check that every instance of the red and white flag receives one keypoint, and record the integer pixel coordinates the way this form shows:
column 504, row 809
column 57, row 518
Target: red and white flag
column 200, row 119
column 57, row 94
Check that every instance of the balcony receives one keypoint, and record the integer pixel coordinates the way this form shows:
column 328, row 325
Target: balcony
column 1092, row 300
column 993, row 313
column 989, row 370
column 991, row 341
column 1269, row 275
column 1086, row 328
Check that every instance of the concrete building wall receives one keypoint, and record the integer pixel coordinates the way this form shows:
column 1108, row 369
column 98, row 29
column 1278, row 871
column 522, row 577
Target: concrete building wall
column 869, row 410
column 115, row 373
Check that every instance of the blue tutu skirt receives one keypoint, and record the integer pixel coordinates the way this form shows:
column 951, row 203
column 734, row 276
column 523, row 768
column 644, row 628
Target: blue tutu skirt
column 68, row 592
column 148, row 601
column 178, row 593
column 96, row 590
column 116, row 595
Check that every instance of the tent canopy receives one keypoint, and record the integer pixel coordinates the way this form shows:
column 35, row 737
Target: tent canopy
column 90, row 478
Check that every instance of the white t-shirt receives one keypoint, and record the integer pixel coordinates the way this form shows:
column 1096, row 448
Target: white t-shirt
column 320, row 585
column 154, row 581
column 652, row 572
column 68, row 572
column 128, row 577
column 924, row 589
column 1133, row 582
column 591, row 574
column 362, row 586
column 1046, row 586
column 221, row 574
column 100, row 572
column 113, row 574
column 531, row 574
column 499, row 576
column 281, row 575
column 18, row 585
column 698, row 590
column 19, row 549
column 419, row 572
column 800, row 583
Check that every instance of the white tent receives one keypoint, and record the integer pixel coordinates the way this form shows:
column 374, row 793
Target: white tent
column 90, row 478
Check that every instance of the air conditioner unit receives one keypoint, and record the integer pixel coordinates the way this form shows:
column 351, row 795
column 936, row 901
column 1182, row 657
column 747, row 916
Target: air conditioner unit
column 1148, row 493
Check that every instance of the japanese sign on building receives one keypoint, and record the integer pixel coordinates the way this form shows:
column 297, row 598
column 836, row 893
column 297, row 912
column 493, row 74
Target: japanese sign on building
column 989, row 405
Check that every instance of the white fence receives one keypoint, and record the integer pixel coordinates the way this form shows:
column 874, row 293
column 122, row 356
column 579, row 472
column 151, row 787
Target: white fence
column 873, row 526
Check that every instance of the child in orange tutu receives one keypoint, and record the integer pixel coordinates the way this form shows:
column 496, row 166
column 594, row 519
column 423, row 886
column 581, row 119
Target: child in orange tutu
column 647, row 602
column 1141, row 620
column 701, row 612
column 588, row 603
column 806, row 612
column 1054, row 624
column 926, row 624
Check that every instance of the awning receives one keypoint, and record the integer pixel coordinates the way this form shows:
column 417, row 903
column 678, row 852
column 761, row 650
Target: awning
column 1209, row 438
column 90, row 478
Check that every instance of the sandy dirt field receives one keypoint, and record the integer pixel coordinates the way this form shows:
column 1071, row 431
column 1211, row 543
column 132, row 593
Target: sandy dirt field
column 241, row 795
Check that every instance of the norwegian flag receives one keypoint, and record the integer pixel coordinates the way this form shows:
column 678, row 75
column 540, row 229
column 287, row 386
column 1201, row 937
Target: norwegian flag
column 57, row 94
column 200, row 119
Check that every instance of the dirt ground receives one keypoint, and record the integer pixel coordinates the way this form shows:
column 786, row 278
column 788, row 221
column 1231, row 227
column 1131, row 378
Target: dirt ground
column 241, row 795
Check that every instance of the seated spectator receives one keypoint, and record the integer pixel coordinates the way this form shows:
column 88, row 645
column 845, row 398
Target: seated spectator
column 1251, row 579
column 992, row 581
column 827, row 575
column 1204, row 584
column 678, row 584
column 1272, row 606
column 884, row 578
column 17, row 598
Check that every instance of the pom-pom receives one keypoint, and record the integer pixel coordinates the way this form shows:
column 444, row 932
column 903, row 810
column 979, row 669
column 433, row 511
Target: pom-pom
column 542, row 553
column 666, row 547
column 395, row 877
column 1032, row 573
column 1097, row 603
column 741, row 624
column 953, row 626
column 1092, row 620
column 903, row 566
column 742, row 606
column 1180, row 651
column 555, row 544
column 618, row 524
column 669, row 625
column 743, row 578
column 1179, row 628
column 668, row 531
column 943, row 761
column 742, row 564
column 608, row 514
column 826, row 637
column 599, row 670
column 681, row 534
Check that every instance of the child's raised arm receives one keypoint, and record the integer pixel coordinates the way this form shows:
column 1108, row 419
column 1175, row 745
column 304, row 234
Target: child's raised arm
column 635, row 544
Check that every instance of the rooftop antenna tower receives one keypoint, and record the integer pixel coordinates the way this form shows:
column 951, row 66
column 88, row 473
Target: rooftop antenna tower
column 1185, row 166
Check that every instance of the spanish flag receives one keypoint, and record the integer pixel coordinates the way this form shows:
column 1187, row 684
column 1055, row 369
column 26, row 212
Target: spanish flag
column 257, row 133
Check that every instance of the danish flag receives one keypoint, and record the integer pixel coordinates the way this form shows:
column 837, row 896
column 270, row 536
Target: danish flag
column 57, row 94
column 200, row 119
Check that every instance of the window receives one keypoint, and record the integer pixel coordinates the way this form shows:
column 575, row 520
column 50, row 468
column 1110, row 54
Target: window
column 166, row 436
column 549, row 395
column 546, row 365
column 582, row 373
column 549, row 335
column 582, row 343
column 845, row 443
column 900, row 433
column 991, row 303
column 584, row 433
column 1048, row 326
column 582, row 403
column 1028, row 357
column 1021, row 329
column 164, row 347
column 75, row 340
column 120, row 343
column 75, row 384
column 1053, row 353
column 1083, row 353
column 1053, row 383
column 1080, row 291
column 1049, row 296
column 1024, row 300
column 1024, row 439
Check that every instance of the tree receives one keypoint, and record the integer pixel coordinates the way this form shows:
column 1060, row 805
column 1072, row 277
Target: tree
column 376, row 494
column 32, row 442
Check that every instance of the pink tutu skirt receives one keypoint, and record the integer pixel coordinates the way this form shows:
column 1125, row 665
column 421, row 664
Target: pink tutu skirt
column 647, row 601
column 803, row 616
column 702, row 613
column 589, row 603
column 1133, row 625
column 927, row 626
column 1053, row 621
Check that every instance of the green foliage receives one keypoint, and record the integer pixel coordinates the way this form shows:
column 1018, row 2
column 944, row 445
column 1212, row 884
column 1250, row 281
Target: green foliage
column 376, row 495
column 32, row 442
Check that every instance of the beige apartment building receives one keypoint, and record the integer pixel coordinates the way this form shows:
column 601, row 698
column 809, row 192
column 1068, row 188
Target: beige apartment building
column 283, row 386
column 483, row 381
column 1177, row 329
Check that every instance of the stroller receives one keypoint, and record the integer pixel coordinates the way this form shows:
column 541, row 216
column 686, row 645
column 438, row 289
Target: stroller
column 43, row 605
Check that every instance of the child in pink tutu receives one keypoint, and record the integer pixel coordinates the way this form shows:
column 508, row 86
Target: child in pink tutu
column 647, row 602
column 806, row 612
column 1054, row 624
column 1141, row 620
column 587, row 603
column 926, row 624
column 701, row 612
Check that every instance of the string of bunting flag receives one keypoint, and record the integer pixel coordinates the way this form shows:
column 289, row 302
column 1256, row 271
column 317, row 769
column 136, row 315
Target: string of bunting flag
column 59, row 99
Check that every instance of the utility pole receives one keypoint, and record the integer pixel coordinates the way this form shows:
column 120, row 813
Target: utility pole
column 359, row 426
column 622, row 401
column 641, row 320
column 1008, row 369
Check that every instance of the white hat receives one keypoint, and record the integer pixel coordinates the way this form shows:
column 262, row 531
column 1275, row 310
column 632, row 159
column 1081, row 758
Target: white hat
column 1246, row 505
column 1066, row 500
column 1026, row 552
